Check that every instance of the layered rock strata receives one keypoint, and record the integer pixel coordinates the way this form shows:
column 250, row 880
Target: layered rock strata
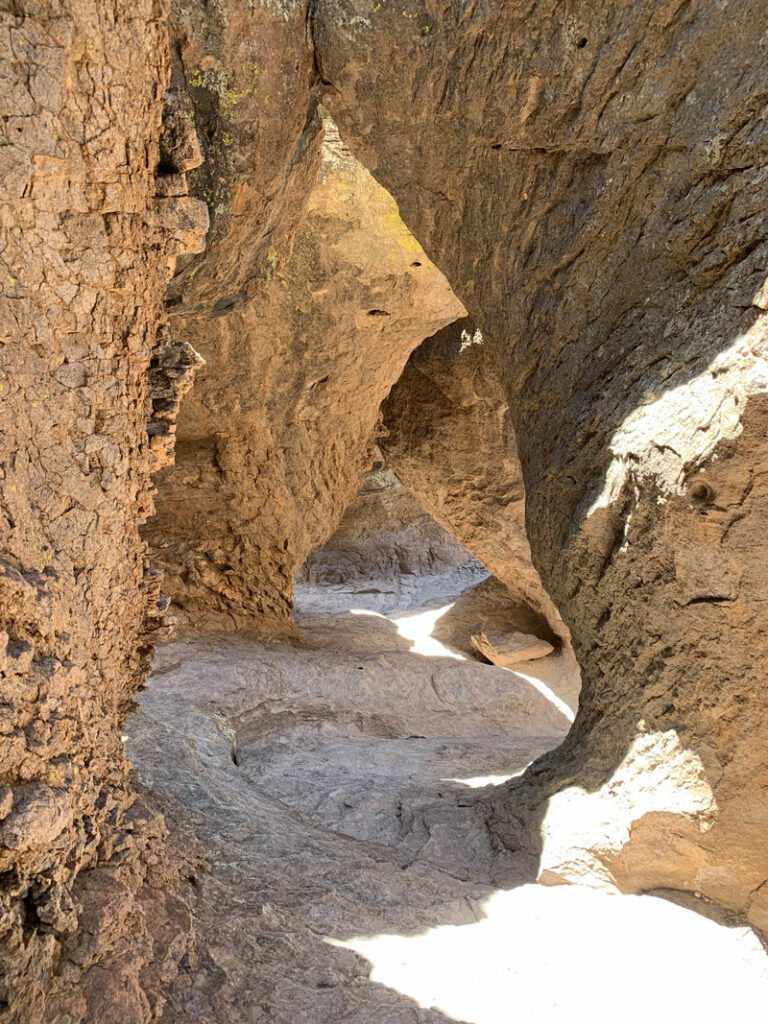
column 592, row 181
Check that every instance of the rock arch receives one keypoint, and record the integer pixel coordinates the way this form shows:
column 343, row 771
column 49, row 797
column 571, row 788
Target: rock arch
column 601, row 215
column 591, row 182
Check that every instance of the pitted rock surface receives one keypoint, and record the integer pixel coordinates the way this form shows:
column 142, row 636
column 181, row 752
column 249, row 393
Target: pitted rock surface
column 89, row 237
column 276, row 436
column 592, row 182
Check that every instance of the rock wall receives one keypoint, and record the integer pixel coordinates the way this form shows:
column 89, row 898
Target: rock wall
column 90, row 928
column 275, row 438
column 592, row 181
column 245, row 68
column 384, row 533
column 451, row 441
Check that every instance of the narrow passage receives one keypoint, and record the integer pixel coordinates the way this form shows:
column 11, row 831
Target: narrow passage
column 329, row 797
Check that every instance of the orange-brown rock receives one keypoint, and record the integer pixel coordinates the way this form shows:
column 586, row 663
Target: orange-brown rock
column 449, row 437
column 91, row 925
column 243, row 69
column 591, row 180
column 274, row 439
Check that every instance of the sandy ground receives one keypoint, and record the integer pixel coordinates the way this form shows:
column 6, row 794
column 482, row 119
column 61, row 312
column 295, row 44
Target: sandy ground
column 330, row 798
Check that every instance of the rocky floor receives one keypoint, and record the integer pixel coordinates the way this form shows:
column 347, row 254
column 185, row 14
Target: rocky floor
column 329, row 799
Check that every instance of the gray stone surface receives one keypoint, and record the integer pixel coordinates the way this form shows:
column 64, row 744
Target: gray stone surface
column 331, row 798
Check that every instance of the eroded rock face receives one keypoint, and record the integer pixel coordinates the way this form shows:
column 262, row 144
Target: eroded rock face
column 274, row 439
column 244, row 69
column 384, row 534
column 89, row 235
column 592, row 181
column 321, row 814
column 451, row 441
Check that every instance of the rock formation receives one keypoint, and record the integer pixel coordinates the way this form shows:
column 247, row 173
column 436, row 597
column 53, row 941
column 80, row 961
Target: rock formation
column 505, row 648
column 275, row 438
column 253, row 459
column 384, row 534
column 449, row 437
column 328, row 795
column 592, row 182
column 94, row 213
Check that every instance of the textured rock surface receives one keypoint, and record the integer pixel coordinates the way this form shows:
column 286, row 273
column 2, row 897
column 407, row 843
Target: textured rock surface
column 330, row 793
column 274, row 439
column 245, row 68
column 488, row 605
column 281, row 865
column 592, row 181
column 89, row 235
column 507, row 649
column 384, row 534
column 451, row 441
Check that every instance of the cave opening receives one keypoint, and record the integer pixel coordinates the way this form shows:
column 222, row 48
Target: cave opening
column 264, row 525
column 524, row 280
column 365, row 655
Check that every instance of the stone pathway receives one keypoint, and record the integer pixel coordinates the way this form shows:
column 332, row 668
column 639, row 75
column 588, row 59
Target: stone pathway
column 328, row 795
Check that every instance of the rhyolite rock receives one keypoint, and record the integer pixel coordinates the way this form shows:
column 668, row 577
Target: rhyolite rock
column 276, row 436
column 384, row 534
column 507, row 649
column 90, row 232
column 591, row 179
column 450, row 439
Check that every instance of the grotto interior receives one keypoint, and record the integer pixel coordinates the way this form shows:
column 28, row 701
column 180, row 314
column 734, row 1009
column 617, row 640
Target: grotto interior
column 384, row 511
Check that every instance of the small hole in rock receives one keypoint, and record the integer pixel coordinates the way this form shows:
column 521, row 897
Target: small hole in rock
column 496, row 145
column 378, row 312
column 415, row 263
column 582, row 43
column 702, row 493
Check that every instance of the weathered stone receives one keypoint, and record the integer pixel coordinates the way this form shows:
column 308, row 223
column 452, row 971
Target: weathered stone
column 507, row 649
column 449, row 437
column 384, row 534
column 39, row 815
column 179, row 145
column 171, row 374
column 276, row 436
column 593, row 186
column 83, row 271
column 331, row 786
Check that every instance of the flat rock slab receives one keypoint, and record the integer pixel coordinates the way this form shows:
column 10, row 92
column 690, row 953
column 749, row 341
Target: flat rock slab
column 507, row 649
column 337, row 795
